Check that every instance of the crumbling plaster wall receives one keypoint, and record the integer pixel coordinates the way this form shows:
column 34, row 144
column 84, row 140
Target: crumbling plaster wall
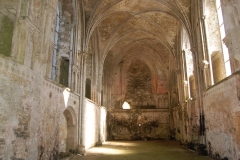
column 54, row 100
column 16, row 112
column 221, row 108
column 31, row 113
column 138, row 124
column 137, row 83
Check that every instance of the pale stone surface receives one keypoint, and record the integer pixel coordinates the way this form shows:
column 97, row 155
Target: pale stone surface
column 94, row 124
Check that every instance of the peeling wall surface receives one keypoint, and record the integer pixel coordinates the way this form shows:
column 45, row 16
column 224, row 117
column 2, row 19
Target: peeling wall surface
column 138, row 124
column 139, row 93
column 33, row 125
column 36, row 111
column 222, row 117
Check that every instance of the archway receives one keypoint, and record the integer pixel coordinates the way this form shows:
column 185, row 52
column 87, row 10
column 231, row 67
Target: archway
column 71, row 129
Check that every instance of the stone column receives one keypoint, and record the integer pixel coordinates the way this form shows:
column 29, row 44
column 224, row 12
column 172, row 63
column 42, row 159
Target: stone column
column 81, row 147
column 93, row 93
column 198, row 72
column 206, row 62
column 75, row 80
column 99, row 91
column 233, row 56
column 109, row 96
column 185, row 80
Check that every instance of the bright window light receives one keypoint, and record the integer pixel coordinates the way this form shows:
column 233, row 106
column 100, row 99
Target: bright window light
column 66, row 94
column 228, row 68
column 126, row 105
column 223, row 35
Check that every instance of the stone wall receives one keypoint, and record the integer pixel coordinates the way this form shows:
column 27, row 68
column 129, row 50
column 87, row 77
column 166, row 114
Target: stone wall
column 94, row 124
column 221, row 108
column 53, row 122
column 139, row 92
column 34, row 122
column 17, row 95
column 31, row 113
column 139, row 85
column 138, row 124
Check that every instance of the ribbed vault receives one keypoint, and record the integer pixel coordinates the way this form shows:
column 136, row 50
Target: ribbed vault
column 121, row 23
column 127, row 30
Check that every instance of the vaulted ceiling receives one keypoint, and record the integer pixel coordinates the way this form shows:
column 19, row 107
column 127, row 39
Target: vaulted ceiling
column 129, row 29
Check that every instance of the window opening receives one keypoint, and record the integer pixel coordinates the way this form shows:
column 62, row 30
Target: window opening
column 223, row 34
column 63, row 78
column 126, row 105
column 88, row 88
column 54, row 58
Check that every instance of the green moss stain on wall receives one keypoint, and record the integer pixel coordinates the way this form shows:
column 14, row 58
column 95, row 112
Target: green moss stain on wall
column 6, row 35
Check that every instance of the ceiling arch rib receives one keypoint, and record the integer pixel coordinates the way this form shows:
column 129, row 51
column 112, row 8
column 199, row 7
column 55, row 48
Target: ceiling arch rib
column 168, row 7
column 127, row 60
column 148, row 28
column 133, row 32
column 110, row 21
column 152, row 56
column 154, row 29
column 178, row 12
column 147, row 51
column 98, row 8
column 162, row 32
column 146, row 48
column 163, row 57
column 133, row 37
column 109, row 7
column 111, row 15
column 131, row 16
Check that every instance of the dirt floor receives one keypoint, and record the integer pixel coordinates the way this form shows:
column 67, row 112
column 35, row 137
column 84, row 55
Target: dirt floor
column 140, row 150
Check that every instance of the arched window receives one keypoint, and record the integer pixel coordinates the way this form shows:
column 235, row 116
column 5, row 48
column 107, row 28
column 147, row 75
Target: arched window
column 215, row 32
column 187, row 63
column 62, row 44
